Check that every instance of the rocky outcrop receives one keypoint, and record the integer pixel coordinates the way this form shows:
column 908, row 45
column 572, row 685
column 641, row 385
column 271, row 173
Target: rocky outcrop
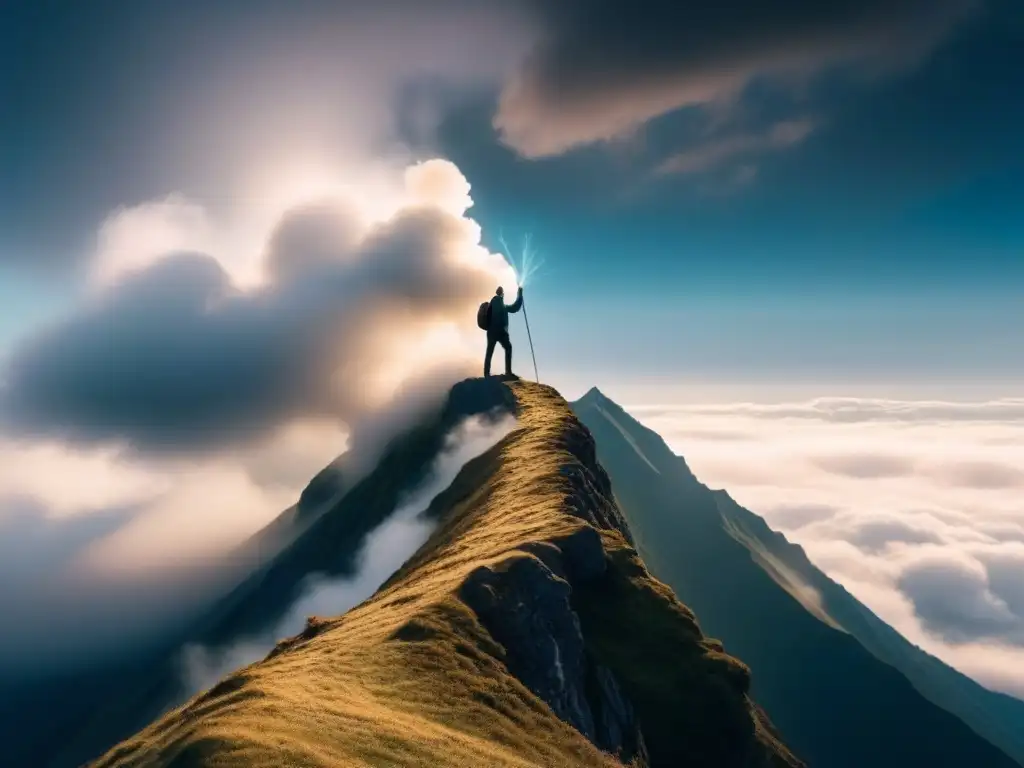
column 589, row 495
column 523, row 601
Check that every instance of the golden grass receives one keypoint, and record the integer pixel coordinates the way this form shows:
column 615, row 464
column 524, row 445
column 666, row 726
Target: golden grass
column 410, row 677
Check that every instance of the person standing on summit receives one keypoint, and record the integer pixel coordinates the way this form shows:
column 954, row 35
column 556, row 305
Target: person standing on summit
column 497, row 328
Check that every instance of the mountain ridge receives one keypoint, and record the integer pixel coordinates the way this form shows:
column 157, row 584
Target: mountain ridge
column 527, row 631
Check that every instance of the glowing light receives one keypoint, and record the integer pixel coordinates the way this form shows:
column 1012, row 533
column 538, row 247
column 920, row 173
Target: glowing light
column 529, row 260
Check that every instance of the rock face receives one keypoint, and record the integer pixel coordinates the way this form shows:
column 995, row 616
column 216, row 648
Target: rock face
column 590, row 490
column 526, row 631
column 524, row 604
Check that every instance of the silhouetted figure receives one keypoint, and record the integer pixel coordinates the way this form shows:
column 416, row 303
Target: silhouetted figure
column 497, row 328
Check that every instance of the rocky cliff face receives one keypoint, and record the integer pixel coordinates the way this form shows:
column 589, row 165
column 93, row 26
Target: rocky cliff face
column 525, row 631
column 524, row 603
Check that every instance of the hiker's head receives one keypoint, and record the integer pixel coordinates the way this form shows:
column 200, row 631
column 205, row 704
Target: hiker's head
column 500, row 291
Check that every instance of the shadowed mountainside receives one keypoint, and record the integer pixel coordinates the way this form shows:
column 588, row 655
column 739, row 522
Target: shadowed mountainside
column 845, row 688
column 526, row 631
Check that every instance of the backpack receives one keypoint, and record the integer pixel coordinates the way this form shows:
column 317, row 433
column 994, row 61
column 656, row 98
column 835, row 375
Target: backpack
column 483, row 316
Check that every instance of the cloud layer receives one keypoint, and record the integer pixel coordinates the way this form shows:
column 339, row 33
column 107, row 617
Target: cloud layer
column 174, row 355
column 915, row 507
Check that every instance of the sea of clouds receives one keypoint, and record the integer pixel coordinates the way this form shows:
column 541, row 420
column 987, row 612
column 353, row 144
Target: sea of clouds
column 917, row 508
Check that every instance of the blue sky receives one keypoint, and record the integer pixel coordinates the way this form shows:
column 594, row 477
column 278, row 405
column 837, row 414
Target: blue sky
column 881, row 244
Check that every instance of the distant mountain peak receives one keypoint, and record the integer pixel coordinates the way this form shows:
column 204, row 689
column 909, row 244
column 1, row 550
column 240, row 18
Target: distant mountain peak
column 594, row 395
column 648, row 444
column 597, row 399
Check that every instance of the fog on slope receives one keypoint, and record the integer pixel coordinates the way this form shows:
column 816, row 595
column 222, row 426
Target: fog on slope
column 383, row 552
column 179, row 408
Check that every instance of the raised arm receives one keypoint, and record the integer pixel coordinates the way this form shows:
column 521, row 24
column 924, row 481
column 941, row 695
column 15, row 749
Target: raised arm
column 517, row 304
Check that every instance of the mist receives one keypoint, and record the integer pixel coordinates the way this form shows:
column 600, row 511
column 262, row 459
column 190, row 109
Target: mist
column 282, row 273
column 185, row 408
column 383, row 552
column 271, row 267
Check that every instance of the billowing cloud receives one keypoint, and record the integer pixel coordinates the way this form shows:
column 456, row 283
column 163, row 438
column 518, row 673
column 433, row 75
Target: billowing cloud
column 954, row 599
column 236, row 105
column 136, row 236
column 606, row 67
column 191, row 395
column 174, row 355
column 276, row 280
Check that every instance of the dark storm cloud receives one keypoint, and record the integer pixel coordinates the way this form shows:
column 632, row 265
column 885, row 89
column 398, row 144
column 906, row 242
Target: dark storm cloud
column 174, row 358
column 607, row 66
column 957, row 600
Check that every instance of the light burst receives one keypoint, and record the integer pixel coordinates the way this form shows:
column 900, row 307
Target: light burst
column 529, row 262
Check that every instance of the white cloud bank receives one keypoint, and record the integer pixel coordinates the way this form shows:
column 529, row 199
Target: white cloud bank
column 916, row 507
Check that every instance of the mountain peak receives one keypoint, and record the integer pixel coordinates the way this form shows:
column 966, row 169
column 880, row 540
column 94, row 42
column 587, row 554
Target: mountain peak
column 645, row 442
column 594, row 395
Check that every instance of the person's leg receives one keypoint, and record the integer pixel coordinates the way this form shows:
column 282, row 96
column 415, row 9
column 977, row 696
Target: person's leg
column 490, row 352
column 506, row 342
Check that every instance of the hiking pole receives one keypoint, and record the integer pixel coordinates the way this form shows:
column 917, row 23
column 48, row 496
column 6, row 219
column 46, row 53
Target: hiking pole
column 530, row 337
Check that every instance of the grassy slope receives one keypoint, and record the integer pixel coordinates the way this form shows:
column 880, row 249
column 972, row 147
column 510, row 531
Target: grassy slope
column 836, row 703
column 411, row 677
